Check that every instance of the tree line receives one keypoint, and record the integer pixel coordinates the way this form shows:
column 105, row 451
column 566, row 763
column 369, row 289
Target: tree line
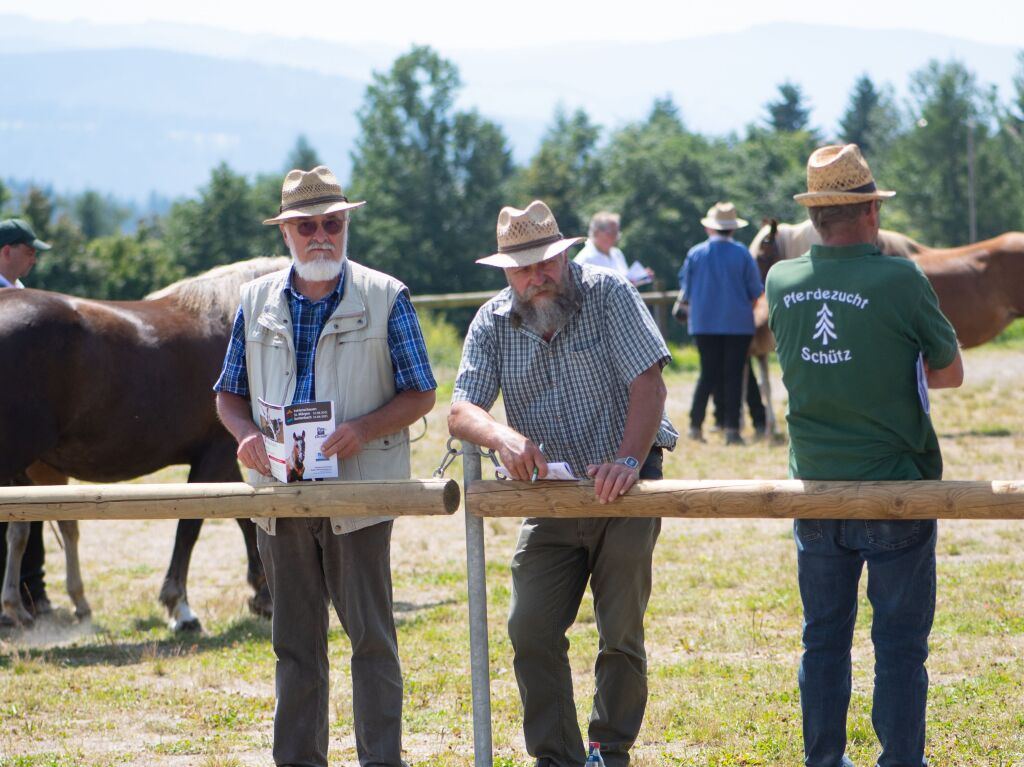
column 436, row 176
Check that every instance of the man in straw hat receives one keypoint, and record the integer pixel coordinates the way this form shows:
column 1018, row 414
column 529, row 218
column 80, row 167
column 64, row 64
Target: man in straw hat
column 720, row 281
column 577, row 359
column 329, row 329
column 860, row 340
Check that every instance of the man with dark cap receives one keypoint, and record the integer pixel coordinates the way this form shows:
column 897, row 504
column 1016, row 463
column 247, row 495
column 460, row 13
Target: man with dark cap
column 18, row 248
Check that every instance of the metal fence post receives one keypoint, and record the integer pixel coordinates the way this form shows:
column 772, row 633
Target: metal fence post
column 479, row 653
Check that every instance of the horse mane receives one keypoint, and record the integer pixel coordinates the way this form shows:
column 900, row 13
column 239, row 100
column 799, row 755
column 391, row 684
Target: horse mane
column 215, row 293
column 794, row 240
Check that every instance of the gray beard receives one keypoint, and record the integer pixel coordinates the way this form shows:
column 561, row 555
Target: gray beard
column 550, row 316
column 322, row 269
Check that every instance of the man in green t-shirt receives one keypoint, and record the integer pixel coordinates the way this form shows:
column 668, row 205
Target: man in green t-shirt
column 860, row 340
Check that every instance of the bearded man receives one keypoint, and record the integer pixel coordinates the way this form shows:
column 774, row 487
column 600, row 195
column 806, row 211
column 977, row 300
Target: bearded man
column 329, row 329
column 577, row 359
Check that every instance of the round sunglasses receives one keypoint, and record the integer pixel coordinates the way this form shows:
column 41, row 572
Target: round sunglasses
column 331, row 225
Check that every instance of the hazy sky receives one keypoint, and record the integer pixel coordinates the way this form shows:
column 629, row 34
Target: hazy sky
column 484, row 24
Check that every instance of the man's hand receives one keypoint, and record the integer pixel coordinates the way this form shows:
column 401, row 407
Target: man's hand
column 611, row 480
column 519, row 455
column 345, row 441
column 253, row 454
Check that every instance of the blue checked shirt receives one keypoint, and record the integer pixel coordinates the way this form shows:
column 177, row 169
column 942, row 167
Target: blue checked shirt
column 571, row 392
column 405, row 342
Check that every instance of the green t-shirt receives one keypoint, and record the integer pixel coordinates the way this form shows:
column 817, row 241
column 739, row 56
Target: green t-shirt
column 849, row 324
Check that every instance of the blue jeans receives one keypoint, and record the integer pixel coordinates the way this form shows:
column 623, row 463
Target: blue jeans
column 900, row 556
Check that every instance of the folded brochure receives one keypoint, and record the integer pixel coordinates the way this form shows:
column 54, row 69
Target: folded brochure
column 293, row 435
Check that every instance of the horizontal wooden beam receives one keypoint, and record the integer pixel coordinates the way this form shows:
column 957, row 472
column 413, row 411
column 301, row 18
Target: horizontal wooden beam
column 754, row 499
column 468, row 300
column 224, row 500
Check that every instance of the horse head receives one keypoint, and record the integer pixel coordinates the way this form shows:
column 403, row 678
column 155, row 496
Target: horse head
column 297, row 461
column 766, row 246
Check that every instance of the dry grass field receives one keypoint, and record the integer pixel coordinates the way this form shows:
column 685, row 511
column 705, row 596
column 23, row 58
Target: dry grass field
column 723, row 629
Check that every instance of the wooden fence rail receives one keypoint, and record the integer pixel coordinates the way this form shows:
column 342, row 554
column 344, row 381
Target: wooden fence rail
column 657, row 298
column 754, row 498
column 222, row 500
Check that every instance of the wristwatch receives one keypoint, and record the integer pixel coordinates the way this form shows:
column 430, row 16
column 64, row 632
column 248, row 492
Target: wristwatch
column 629, row 461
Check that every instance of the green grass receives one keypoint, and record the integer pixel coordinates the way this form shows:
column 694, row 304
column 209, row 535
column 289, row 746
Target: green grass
column 1013, row 336
column 723, row 628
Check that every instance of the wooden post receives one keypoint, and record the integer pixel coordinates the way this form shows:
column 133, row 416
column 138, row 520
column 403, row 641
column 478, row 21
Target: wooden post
column 660, row 310
column 221, row 500
column 754, row 499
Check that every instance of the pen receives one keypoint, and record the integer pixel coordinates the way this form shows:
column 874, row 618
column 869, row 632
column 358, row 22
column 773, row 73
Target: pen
column 533, row 476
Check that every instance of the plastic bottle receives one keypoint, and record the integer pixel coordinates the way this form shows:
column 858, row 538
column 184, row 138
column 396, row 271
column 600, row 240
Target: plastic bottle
column 594, row 759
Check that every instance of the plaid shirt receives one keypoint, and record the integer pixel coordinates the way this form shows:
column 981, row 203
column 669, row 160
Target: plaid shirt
column 405, row 342
column 571, row 392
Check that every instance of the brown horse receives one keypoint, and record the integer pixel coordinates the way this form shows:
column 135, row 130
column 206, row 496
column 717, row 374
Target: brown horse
column 980, row 287
column 110, row 390
column 775, row 241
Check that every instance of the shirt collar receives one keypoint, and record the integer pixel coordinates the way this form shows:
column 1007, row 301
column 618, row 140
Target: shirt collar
column 335, row 295
column 6, row 283
column 845, row 251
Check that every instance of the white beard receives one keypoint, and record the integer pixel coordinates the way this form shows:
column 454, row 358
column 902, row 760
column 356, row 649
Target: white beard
column 322, row 268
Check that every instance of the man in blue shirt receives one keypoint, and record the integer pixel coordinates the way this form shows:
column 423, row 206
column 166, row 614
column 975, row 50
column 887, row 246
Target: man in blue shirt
column 720, row 281
column 329, row 329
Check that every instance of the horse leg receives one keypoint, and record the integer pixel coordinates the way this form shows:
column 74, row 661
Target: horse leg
column 220, row 464
column 76, row 590
column 14, row 612
column 771, row 427
column 743, row 394
column 42, row 474
column 173, row 592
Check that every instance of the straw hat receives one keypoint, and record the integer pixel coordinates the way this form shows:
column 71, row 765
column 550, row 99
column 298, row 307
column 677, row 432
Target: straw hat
column 839, row 175
column 722, row 217
column 311, row 193
column 527, row 237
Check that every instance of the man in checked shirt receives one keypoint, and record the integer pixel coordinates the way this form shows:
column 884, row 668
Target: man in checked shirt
column 329, row 329
column 577, row 359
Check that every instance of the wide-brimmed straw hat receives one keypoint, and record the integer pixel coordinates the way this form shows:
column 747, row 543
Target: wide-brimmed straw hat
column 722, row 217
column 527, row 237
column 311, row 193
column 839, row 175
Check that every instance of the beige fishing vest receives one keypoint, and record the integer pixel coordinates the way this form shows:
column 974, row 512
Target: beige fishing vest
column 352, row 368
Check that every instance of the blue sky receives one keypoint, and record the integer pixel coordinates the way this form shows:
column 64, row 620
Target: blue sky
column 489, row 25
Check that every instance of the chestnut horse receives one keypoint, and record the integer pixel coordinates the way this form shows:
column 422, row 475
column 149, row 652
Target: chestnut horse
column 106, row 391
column 980, row 286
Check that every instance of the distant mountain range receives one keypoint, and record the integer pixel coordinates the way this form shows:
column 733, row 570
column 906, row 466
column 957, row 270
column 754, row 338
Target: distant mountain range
column 134, row 109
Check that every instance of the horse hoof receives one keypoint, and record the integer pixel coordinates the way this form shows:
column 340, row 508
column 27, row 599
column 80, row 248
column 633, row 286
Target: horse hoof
column 40, row 606
column 19, row 618
column 190, row 626
column 261, row 605
column 83, row 615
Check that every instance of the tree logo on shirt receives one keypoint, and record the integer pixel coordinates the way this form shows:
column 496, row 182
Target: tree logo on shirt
column 825, row 329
